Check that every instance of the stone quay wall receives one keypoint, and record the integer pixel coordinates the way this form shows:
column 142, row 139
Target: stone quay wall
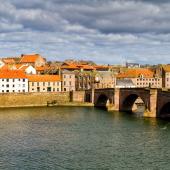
column 33, row 99
column 77, row 96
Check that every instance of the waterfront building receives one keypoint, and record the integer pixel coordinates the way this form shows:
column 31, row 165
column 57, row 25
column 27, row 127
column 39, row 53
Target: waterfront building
column 84, row 80
column 13, row 81
column 44, row 83
column 68, row 80
column 141, row 77
column 33, row 59
column 106, row 79
column 166, row 76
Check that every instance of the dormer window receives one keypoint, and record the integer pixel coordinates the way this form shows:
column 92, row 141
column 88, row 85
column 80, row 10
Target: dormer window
column 141, row 76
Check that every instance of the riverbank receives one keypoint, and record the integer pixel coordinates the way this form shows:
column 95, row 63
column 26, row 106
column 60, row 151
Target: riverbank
column 68, row 104
column 15, row 100
column 42, row 99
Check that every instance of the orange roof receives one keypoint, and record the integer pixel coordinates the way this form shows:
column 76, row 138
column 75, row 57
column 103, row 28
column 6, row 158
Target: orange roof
column 8, row 60
column 86, row 67
column 69, row 66
column 18, row 66
column 134, row 73
column 166, row 68
column 42, row 68
column 31, row 58
column 5, row 67
column 43, row 78
column 12, row 74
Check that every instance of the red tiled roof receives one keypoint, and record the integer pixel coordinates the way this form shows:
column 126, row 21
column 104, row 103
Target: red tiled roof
column 8, row 60
column 31, row 58
column 69, row 66
column 134, row 73
column 43, row 78
column 42, row 68
column 12, row 74
column 86, row 67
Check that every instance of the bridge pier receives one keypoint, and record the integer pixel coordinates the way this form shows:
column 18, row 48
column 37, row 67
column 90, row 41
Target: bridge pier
column 114, row 106
column 151, row 110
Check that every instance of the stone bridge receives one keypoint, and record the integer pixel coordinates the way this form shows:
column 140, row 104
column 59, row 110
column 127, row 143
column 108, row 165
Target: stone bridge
column 156, row 101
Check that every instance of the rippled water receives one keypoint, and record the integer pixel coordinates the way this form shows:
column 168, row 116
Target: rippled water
column 81, row 138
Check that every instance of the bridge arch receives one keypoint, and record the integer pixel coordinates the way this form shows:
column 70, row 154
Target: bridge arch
column 103, row 101
column 128, row 104
column 165, row 110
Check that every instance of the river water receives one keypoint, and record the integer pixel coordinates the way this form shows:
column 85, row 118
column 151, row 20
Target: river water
column 81, row 138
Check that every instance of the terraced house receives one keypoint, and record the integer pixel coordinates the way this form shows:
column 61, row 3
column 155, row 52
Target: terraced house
column 44, row 83
column 141, row 77
column 13, row 81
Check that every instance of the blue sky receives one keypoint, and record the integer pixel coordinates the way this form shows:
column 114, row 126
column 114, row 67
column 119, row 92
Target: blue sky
column 105, row 31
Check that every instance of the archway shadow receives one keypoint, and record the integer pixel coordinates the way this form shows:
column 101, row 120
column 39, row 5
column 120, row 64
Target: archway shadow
column 133, row 104
column 165, row 111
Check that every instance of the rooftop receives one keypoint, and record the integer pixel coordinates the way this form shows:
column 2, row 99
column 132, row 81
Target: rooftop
column 44, row 78
column 29, row 58
column 12, row 74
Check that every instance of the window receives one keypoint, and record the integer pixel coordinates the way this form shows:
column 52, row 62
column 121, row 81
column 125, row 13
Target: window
column 64, row 76
column 38, row 89
column 13, row 85
column 7, row 80
column 7, row 91
column 13, row 80
column 7, row 85
column 2, row 79
column 53, row 83
column 64, row 89
column 48, row 83
column 23, row 80
column 64, row 83
column 70, row 76
column 43, row 83
column 18, row 79
column 48, row 89
column 13, row 90
column 32, row 83
column 57, row 89
column 37, row 83
column 23, row 85
column 23, row 90
column 53, row 89
column 70, row 83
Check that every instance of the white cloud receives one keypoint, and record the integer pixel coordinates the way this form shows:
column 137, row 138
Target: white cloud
column 109, row 31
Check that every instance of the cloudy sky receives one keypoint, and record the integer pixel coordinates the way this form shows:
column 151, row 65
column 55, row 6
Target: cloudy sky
column 106, row 31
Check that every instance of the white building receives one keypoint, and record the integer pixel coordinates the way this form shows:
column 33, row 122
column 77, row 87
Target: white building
column 28, row 69
column 13, row 81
